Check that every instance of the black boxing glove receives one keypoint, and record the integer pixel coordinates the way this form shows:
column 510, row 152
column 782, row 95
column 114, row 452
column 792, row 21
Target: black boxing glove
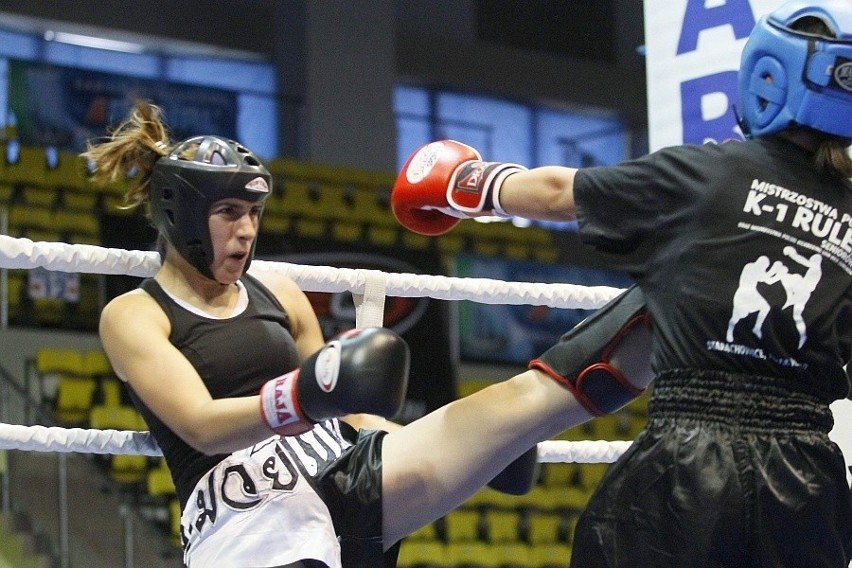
column 360, row 371
column 518, row 477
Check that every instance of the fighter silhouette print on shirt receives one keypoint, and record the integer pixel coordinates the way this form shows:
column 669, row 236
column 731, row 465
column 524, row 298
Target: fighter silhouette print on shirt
column 798, row 287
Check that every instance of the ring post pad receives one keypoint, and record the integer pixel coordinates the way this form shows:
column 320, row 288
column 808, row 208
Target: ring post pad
column 580, row 360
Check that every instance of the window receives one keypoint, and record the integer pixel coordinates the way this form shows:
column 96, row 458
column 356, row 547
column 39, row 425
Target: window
column 252, row 82
column 508, row 131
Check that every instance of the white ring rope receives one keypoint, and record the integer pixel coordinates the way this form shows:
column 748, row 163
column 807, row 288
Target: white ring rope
column 66, row 440
column 21, row 253
column 90, row 259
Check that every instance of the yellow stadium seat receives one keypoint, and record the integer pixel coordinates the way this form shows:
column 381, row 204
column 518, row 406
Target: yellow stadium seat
column 570, row 525
column 275, row 224
column 74, row 398
column 486, row 248
column 110, row 393
column 30, row 168
column 307, row 227
column 16, row 291
column 174, row 517
column 80, row 200
column 96, row 363
column 474, row 554
column 545, row 528
column 295, row 198
column 59, row 360
column 113, row 417
column 426, row 532
column 502, row 525
column 23, row 217
column 366, row 205
column 423, row 554
column 6, row 192
column 416, row 242
column 545, row 254
column 487, row 497
column 585, row 431
column 50, row 311
column 159, row 480
column 39, row 196
column 346, row 230
column 592, row 473
column 76, row 222
column 450, row 243
column 512, row 555
column 462, row 525
column 125, row 469
column 635, row 426
column 551, row 555
column 560, row 474
column 383, row 236
column 572, row 498
column 517, row 251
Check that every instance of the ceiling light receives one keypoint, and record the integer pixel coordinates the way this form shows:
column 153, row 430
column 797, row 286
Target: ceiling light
column 94, row 42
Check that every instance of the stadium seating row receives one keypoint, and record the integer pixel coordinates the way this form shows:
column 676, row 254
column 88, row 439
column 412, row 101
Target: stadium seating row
column 60, row 204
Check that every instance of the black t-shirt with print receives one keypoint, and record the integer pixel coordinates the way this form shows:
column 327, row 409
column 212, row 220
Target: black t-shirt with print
column 744, row 253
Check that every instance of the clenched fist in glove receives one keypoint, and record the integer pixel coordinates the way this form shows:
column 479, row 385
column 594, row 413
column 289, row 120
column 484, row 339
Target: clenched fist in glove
column 445, row 181
column 360, row 371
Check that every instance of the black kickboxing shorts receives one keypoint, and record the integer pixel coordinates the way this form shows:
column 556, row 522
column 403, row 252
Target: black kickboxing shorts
column 731, row 470
column 351, row 487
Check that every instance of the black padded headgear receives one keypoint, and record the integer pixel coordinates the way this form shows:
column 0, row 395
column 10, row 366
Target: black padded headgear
column 184, row 185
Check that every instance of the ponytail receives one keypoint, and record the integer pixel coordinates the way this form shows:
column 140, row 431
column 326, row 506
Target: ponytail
column 133, row 147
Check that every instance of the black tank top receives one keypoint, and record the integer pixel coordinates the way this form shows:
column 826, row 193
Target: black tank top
column 234, row 357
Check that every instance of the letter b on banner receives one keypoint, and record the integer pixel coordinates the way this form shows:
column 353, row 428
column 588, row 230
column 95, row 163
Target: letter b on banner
column 706, row 108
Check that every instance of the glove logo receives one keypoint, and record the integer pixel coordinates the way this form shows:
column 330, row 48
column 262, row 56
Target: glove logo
column 470, row 177
column 843, row 75
column 327, row 366
column 423, row 161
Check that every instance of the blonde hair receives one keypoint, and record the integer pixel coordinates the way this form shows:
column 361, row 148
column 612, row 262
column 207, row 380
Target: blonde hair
column 133, row 147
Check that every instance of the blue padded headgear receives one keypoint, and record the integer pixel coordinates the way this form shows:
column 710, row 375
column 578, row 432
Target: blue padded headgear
column 811, row 75
column 184, row 185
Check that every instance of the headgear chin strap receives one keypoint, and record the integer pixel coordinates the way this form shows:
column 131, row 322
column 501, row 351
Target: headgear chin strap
column 789, row 77
column 188, row 181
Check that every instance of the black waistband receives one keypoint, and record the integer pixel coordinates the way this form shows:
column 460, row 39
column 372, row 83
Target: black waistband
column 746, row 401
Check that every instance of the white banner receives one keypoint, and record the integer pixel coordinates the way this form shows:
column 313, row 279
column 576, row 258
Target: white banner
column 693, row 53
column 842, row 432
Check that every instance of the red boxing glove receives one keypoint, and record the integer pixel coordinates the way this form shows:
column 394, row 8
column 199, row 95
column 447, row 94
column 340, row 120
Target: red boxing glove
column 445, row 181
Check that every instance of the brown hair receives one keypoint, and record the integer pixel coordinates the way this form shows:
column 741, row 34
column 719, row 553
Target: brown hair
column 132, row 147
column 831, row 156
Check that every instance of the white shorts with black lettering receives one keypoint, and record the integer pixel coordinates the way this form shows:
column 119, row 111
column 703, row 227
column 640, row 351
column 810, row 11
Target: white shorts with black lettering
column 257, row 507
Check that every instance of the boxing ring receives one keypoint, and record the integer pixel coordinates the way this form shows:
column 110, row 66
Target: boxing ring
column 369, row 289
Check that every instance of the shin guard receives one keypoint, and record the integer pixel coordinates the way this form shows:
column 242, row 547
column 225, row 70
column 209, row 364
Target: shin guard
column 581, row 361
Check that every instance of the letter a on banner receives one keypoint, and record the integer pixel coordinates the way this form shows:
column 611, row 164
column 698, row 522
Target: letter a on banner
column 693, row 53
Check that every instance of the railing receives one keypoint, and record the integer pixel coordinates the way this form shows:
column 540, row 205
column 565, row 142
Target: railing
column 89, row 520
